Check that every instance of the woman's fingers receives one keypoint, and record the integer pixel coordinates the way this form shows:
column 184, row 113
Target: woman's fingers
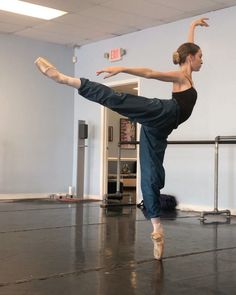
column 203, row 22
column 109, row 72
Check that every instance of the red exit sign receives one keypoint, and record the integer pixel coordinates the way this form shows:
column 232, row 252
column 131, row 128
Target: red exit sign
column 115, row 54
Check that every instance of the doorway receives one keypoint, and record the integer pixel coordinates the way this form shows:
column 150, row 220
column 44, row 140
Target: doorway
column 112, row 130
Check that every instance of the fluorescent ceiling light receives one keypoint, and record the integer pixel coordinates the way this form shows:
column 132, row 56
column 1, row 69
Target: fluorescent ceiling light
column 29, row 9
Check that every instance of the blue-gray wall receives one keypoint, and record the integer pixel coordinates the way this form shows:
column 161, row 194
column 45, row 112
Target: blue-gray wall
column 189, row 169
column 37, row 116
column 36, row 119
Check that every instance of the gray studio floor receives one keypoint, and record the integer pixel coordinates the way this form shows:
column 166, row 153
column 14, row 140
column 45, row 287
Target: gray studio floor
column 49, row 247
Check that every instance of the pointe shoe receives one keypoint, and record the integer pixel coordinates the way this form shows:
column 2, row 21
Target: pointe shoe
column 158, row 242
column 43, row 65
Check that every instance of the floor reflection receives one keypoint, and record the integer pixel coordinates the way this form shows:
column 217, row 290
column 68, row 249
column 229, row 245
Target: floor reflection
column 118, row 247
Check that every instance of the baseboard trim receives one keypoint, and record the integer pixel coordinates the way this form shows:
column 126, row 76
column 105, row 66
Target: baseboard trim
column 24, row 196
column 4, row 197
column 93, row 197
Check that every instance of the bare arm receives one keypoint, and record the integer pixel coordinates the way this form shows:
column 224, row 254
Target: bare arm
column 199, row 22
column 148, row 73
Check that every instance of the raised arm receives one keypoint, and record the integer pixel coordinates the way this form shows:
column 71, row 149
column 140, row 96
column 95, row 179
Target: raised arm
column 199, row 22
column 148, row 73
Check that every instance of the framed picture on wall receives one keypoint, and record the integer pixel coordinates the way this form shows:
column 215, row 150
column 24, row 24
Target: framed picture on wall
column 127, row 132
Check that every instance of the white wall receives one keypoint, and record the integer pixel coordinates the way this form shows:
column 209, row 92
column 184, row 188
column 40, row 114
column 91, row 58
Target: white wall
column 189, row 168
column 36, row 119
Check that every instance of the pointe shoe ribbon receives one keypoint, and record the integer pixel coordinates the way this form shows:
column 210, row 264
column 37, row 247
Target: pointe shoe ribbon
column 43, row 65
column 158, row 242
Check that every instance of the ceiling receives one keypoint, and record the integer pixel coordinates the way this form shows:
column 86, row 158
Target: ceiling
column 89, row 21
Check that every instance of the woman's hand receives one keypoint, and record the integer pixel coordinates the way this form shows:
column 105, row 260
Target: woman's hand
column 201, row 22
column 111, row 71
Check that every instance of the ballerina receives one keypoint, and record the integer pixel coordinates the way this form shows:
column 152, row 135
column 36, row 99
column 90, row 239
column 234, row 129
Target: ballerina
column 158, row 117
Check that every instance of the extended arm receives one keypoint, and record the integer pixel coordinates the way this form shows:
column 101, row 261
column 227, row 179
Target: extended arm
column 173, row 76
column 199, row 22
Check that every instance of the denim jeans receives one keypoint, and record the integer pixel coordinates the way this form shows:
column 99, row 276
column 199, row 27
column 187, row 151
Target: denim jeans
column 158, row 118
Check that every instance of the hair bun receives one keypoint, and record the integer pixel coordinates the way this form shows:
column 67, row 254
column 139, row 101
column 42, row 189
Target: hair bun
column 176, row 58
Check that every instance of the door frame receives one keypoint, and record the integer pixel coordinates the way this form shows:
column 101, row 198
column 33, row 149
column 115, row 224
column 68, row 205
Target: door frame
column 104, row 142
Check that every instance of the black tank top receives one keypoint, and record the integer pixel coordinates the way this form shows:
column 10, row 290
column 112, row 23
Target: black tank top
column 186, row 100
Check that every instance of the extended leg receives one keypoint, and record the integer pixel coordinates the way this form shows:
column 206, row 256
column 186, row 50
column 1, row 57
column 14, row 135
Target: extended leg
column 125, row 104
column 150, row 112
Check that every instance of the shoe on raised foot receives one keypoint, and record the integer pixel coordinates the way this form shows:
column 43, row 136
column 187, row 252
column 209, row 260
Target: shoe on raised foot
column 158, row 242
column 43, row 65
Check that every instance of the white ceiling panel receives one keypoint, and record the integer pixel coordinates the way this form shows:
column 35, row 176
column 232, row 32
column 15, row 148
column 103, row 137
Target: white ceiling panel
column 9, row 28
column 13, row 18
column 82, row 22
column 57, row 28
column 69, row 6
column 118, row 17
column 143, row 8
column 92, row 20
column 226, row 2
column 46, row 36
column 70, row 38
column 196, row 7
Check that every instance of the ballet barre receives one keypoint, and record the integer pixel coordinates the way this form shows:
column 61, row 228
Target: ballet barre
column 218, row 140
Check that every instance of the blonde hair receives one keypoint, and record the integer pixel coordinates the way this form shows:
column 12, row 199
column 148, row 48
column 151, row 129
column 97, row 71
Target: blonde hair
column 176, row 58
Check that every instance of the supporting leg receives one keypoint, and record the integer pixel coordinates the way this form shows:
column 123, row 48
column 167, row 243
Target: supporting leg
column 156, row 223
column 157, row 237
column 152, row 150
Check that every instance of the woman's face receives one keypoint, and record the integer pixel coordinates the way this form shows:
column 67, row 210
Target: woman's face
column 196, row 61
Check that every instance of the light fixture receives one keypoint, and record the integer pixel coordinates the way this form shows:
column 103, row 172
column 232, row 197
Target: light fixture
column 29, row 9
